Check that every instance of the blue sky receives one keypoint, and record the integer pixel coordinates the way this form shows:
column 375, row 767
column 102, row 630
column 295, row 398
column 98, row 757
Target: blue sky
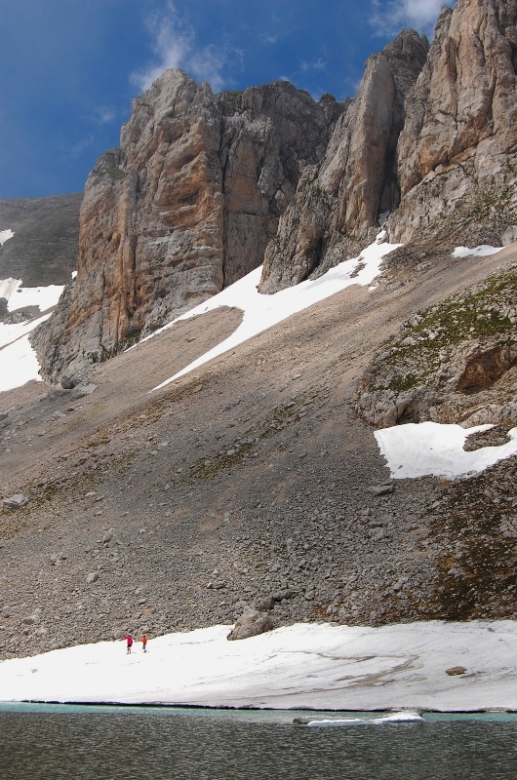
column 69, row 69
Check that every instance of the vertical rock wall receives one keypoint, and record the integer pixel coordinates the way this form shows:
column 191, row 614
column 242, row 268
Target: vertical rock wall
column 457, row 152
column 206, row 187
column 339, row 201
column 185, row 207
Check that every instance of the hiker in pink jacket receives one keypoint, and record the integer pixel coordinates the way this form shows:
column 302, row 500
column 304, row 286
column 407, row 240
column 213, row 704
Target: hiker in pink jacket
column 129, row 641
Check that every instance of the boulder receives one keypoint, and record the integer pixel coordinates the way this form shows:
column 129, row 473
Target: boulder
column 251, row 623
column 455, row 670
column 15, row 502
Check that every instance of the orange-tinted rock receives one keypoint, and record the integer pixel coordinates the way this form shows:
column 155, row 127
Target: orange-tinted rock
column 185, row 207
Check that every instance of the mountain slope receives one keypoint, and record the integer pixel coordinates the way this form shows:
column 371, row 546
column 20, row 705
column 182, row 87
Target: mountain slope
column 256, row 478
column 44, row 247
column 245, row 480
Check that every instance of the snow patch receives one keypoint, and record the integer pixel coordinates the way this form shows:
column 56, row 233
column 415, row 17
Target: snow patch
column 478, row 251
column 19, row 297
column 264, row 311
column 18, row 361
column 5, row 235
column 303, row 666
column 433, row 449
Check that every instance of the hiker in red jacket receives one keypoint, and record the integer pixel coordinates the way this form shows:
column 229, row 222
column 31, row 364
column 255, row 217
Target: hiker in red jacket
column 129, row 641
column 144, row 643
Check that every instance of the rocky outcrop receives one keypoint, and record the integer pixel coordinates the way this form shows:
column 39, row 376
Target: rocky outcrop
column 185, row 207
column 339, row 201
column 455, row 362
column 457, row 168
column 251, row 623
column 457, row 152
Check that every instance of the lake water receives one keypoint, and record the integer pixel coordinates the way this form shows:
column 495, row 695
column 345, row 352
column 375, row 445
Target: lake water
column 132, row 743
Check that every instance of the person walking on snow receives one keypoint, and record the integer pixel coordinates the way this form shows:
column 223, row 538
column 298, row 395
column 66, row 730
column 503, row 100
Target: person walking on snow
column 129, row 641
column 144, row 643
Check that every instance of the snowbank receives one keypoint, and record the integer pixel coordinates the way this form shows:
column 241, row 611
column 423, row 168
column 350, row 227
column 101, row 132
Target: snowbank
column 18, row 361
column 322, row 667
column 433, row 449
column 5, row 235
column 264, row 311
column 478, row 251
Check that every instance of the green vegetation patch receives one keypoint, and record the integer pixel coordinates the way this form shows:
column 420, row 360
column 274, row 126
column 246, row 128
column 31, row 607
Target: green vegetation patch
column 428, row 340
column 114, row 171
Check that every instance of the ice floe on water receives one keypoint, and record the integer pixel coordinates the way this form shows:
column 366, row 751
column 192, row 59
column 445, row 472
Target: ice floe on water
column 393, row 718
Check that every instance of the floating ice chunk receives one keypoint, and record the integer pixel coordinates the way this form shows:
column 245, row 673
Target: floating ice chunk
column 395, row 717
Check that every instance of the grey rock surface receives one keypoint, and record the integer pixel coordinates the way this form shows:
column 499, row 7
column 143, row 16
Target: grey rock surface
column 252, row 622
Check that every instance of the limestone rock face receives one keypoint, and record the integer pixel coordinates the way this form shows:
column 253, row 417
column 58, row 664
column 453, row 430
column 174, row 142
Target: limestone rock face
column 456, row 153
column 339, row 201
column 185, row 207
column 205, row 188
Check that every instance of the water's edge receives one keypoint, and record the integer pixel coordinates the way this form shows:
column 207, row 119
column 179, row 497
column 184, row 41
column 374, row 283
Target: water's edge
column 297, row 716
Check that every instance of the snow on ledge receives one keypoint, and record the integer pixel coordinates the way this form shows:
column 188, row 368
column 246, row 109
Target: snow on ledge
column 432, row 449
column 478, row 251
column 5, row 235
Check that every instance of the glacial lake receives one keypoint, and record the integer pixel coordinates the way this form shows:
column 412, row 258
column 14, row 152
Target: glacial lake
column 132, row 743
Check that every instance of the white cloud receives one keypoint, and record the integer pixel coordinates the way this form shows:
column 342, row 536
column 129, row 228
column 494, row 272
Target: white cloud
column 318, row 64
column 174, row 44
column 393, row 15
column 85, row 143
column 103, row 115
column 206, row 65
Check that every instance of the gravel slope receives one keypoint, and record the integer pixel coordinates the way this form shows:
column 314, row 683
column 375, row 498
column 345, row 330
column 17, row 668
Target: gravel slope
column 245, row 480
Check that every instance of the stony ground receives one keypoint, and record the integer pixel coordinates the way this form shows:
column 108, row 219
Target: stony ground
column 249, row 480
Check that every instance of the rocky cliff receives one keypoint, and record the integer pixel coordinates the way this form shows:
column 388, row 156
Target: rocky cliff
column 457, row 168
column 340, row 201
column 206, row 187
column 457, row 152
column 454, row 362
column 185, row 207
